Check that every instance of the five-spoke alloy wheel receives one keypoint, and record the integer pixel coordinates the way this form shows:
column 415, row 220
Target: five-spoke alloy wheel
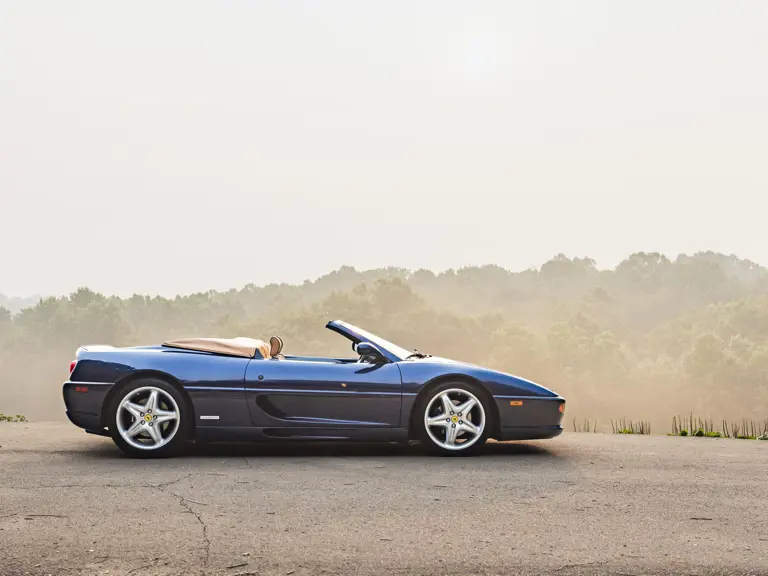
column 455, row 419
column 148, row 418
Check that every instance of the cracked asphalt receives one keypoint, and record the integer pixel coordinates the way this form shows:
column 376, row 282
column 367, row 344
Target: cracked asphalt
column 577, row 504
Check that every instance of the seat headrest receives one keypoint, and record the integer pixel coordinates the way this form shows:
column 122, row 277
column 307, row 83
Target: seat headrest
column 275, row 345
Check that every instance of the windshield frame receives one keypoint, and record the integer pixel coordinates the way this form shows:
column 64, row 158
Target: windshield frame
column 393, row 352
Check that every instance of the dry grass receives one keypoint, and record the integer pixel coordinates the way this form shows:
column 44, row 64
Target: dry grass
column 589, row 425
column 694, row 426
column 624, row 427
column 16, row 418
column 685, row 426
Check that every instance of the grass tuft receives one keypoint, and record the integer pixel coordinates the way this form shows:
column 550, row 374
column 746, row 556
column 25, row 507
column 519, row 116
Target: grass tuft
column 622, row 427
column 689, row 425
column 16, row 418
column 705, row 428
column 588, row 426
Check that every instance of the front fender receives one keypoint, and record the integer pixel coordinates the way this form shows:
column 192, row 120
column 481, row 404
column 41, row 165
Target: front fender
column 519, row 403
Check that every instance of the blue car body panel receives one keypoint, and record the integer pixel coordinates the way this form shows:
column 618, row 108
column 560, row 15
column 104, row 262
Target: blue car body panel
column 522, row 405
column 302, row 397
column 348, row 394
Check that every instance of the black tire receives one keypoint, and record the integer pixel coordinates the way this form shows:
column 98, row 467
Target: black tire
column 183, row 426
column 434, row 394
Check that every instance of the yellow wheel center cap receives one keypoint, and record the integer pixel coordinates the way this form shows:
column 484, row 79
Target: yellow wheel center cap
column 148, row 418
column 454, row 419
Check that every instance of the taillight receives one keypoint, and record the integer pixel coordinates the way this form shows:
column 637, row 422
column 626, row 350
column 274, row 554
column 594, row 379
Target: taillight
column 562, row 407
column 72, row 366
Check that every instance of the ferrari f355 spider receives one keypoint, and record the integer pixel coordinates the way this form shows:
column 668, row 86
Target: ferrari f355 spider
column 153, row 400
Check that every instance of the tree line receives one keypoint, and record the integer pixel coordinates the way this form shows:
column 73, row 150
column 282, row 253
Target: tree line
column 648, row 339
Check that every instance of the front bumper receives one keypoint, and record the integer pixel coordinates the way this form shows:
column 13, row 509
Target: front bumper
column 530, row 432
column 530, row 418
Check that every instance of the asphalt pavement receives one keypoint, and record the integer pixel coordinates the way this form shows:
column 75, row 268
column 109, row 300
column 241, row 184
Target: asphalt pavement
column 577, row 504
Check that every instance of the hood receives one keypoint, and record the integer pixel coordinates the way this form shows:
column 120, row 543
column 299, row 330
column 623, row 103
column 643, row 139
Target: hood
column 487, row 375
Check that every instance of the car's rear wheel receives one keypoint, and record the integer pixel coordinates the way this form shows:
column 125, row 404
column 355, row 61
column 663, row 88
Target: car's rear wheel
column 454, row 419
column 149, row 418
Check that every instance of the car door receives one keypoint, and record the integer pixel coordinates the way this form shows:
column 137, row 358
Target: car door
column 323, row 393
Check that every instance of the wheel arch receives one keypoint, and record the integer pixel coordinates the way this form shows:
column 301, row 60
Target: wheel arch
column 442, row 379
column 139, row 375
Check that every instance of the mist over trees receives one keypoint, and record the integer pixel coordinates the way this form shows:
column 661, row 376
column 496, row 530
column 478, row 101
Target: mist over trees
column 649, row 339
column 14, row 304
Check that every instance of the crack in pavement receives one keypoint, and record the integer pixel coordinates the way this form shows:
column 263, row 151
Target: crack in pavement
column 81, row 486
column 207, row 557
column 133, row 570
column 161, row 485
column 183, row 503
column 581, row 565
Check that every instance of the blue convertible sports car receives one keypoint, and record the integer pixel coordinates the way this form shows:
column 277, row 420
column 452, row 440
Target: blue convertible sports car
column 152, row 400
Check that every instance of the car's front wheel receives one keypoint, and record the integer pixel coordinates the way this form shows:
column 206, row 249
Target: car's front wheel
column 149, row 418
column 454, row 419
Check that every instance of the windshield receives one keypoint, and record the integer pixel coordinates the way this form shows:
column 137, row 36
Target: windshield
column 402, row 353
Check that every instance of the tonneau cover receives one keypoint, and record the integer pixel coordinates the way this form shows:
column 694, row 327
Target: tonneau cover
column 245, row 347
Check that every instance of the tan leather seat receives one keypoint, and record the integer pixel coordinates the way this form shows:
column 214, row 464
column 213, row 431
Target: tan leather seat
column 275, row 347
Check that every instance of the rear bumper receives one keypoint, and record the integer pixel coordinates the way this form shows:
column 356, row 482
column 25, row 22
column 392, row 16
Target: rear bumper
column 85, row 420
column 84, row 402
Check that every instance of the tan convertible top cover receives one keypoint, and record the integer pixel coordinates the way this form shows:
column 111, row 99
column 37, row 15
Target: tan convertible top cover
column 245, row 347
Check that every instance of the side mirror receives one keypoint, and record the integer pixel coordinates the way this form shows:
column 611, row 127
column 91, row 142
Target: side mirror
column 370, row 353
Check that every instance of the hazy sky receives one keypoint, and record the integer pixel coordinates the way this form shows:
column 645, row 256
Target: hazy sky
column 174, row 146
